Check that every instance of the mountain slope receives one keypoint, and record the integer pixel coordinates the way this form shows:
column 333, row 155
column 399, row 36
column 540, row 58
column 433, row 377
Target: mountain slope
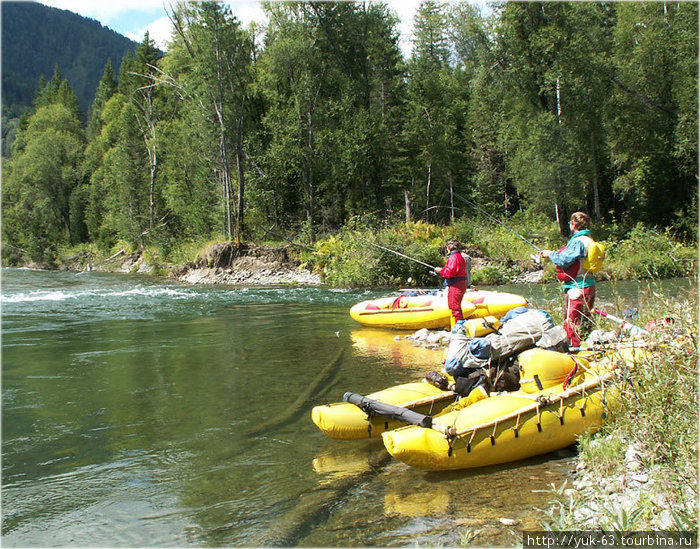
column 35, row 38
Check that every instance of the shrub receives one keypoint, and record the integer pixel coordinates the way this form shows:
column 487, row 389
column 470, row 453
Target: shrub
column 646, row 253
column 360, row 257
column 487, row 276
column 351, row 257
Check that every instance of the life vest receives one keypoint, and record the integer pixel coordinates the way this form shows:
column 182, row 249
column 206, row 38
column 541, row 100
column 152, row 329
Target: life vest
column 453, row 280
column 571, row 272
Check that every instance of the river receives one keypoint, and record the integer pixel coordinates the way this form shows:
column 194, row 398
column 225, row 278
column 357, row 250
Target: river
column 128, row 403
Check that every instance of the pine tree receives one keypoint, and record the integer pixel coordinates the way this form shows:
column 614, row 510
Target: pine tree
column 105, row 89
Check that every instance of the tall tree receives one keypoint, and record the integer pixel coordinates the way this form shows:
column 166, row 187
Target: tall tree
column 105, row 89
column 295, row 79
column 654, row 80
column 365, row 96
column 42, row 173
column 436, row 133
column 549, row 54
column 146, row 114
column 216, row 79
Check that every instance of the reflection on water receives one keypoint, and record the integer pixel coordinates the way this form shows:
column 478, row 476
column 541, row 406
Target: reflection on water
column 402, row 506
column 126, row 402
column 392, row 347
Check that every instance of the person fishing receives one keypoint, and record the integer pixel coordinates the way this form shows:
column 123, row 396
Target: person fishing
column 579, row 283
column 457, row 277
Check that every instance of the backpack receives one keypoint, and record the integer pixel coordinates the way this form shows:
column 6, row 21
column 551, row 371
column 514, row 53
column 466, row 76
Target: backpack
column 595, row 255
column 466, row 355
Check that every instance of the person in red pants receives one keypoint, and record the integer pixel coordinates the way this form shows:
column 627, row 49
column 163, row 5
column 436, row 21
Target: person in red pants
column 456, row 276
column 579, row 284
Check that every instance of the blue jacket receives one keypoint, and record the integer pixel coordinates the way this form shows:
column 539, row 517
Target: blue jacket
column 575, row 251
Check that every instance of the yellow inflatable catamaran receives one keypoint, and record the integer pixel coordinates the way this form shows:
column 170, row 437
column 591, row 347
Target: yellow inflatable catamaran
column 416, row 309
column 345, row 421
column 561, row 397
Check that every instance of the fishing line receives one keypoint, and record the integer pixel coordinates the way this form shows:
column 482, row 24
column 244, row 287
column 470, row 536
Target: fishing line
column 535, row 258
column 496, row 220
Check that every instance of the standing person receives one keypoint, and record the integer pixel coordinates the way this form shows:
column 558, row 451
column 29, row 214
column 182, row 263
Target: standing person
column 455, row 274
column 579, row 284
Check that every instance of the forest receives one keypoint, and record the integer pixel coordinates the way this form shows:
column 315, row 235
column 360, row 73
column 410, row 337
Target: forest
column 35, row 38
column 300, row 126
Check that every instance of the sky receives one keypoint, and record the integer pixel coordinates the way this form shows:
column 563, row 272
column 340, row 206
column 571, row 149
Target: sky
column 133, row 18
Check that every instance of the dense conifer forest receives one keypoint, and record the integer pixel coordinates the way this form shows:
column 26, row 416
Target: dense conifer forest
column 37, row 38
column 298, row 127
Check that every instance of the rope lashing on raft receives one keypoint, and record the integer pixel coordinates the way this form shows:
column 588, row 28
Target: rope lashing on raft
column 516, row 426
column 541, row 402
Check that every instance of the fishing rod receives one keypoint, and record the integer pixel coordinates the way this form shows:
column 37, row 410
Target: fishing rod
column 536, row 259
column 624, row 325
column 432, row 268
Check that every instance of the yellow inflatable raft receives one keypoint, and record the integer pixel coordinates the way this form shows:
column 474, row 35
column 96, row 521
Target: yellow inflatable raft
column 343, row 420
column 561, row 397
column 428, row 308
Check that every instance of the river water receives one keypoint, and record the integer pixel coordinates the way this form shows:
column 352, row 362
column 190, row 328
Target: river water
column 138, row 412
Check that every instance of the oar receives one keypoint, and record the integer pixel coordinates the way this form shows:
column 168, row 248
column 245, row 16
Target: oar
column 624, row 325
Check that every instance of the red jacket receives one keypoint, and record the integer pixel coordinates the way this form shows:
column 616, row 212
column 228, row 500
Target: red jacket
column 455, row 270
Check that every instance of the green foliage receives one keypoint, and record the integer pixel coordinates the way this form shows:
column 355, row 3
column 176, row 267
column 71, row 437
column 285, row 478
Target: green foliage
column 488, row 276
column 646, row 253
column 185, row 251
column 78, row 257
column 649, row 44
column 39, row 181
column 353, row 256
column 664, row 397
column 538, row 110
column 605, row 454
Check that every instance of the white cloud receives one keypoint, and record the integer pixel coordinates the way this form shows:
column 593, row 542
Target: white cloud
column 247, row 11
column 405, row 11
column 159, row 31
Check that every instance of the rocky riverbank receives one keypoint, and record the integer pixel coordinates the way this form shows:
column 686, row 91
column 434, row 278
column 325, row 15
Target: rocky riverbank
column 614, row 502
column 226, row 263
column 219, row 264
column 246, row 264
